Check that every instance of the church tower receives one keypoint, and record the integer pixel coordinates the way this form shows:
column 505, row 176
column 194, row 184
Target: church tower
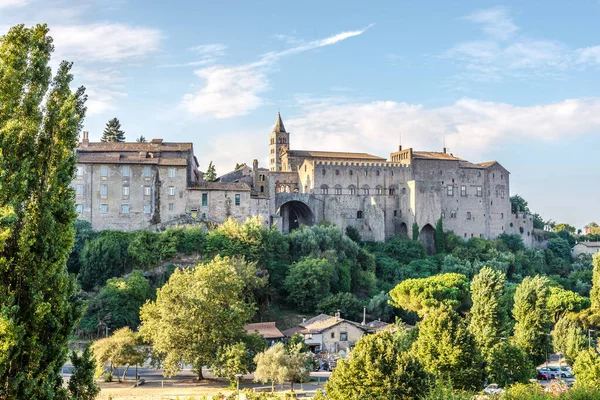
column 278, row 139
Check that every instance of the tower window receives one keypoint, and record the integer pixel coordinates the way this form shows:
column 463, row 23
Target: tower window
column 468, row 214
column 452, row 214
column 463, row 190
column 352, row 190
column 324, row 172
column 337, row 171
column 377, row 172
column 359, row 214
column 351, row 172
column 450, row 190
column 324, row 189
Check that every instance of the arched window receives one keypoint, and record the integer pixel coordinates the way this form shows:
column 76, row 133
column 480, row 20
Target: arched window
column 377, row 173
column 379, row 190
column 324, row 189
column 351, row 172
column 391, row 172
column 324, row 172
column 443, row 214
column 337, row 171
column 352, row 190
column 365, row 190
column 262, row 189
column 403, row 190
column 392, row 191
column 452, row 214
column 338, row 189
column 366, row 173
column 359, row 214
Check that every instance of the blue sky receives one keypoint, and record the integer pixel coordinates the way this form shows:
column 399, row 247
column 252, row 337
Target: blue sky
column 515, row 81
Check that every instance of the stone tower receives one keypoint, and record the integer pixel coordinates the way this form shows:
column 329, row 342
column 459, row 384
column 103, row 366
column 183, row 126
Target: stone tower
column 278, row 139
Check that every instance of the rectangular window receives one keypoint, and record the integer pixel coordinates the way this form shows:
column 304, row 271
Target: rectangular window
column 171, row 173
column 103, row 171
column 79, row 171
column 146, row 190
column 147, row 172
column 237, row 199
column 146, row 208
column 478, row 191
column 468, row 214
column 333, row 335
column 79, row 189
column 450, row 190
column 103, row 208
column 502, row 194
column 171, row 206
column 125, row 208
column 204, row 199
column 125, row 191
column 171, row 190
column 103, row 190
column 443, row 214
column 463, row 190
column 343, row 336
column 79, row 208
column 125, row 170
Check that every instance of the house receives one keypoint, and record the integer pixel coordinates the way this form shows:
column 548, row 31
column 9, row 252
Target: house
column 267, row 330
column 326, row 333
column 586, row 248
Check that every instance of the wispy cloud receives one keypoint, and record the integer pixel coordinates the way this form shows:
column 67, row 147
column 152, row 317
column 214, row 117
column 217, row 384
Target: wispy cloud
column 13, row 3
column 231, row 91
column 495, row 22
column 208, row 53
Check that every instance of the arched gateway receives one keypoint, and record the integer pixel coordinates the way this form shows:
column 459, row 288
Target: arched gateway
column 293, row 214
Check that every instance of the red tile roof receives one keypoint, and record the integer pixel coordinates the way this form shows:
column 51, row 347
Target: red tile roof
column 268, row 330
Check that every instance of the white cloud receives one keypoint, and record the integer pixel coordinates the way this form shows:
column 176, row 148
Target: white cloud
column 214, row 49
column 495, row 21
column 209, row 54
column 589, row 55
column 13, row 3
column 103, row 87
column 231, row 91
column 471, row 127
column 104, row 42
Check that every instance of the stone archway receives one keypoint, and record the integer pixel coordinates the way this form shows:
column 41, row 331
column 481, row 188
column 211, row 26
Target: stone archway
column 294, row 214
column 403, row 230
column 427, row 237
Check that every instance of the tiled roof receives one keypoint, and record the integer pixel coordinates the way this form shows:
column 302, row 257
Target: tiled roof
column 135, row 146
column 590, row 244
column 116, row 158
column 268, row 330
column 488, row 163
column 236, row 186
column 320, row 323
column 334, row 154
column 377, row 325
column 433, row 155
column 279, row 124
column 290, row 332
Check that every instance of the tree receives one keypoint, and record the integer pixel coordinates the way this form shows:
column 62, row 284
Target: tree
column 533, row 320
column 440, row 237
column 271, row 365
column 308, row 281
column 196, row 313
column 349, row 305
column 564, row 227
column 112, row 132
column 104, row 257
column 538, row 221
column 421, row 295
column 81, row 383
column 507, row 364
column 569, row 339
column 123, row 348
column 560, row 248
column 487, row 313
column 232, row 359
column 519, row 205
column 299, row 364
column 141, row 139
column 211, row 173
column 561, row 301
column 380, row 368
column 595, row 292
column 587, row 368
column 83, row 233
column 447, row 350
column 415, row 231
column 40, row 120
column 353, row 234
column 239, row 165
column 514, row 242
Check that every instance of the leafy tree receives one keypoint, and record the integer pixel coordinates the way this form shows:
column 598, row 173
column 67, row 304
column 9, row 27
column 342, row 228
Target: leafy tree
column 113, row 132
column 379, row 307
column 299, row 364
column 415, row 231
column 40, row 120
column 587, row 368
column 507, row 364
column 349, row 306
column 239, row 165
column 514, row 242
column 307, row 282
column 121, row 349
column 538, row 221
column 560, row 248
column 380, row 368
column 196, row 313
column 561, row 301
column 83, row 233
column 440, row 237
column 595, row 292
column 447, row 350
column 519, row 205
column 421, row 295
column 295, row 340
column 118, row 303
column 533, row 320
column 141, row 139
column 487, row 314
column 278, row 364
column 104, row 257
column 353, row 234
column 564, row 227
column 211, row 173
column 458, row 265
column 81, row 383
column 231, row 360
column 569, row 339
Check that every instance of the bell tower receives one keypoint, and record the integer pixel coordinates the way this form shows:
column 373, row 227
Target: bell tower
column 278, row 139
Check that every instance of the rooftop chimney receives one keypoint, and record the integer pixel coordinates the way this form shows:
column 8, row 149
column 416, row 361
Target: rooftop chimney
column 400, row 148
column 444, row 150
column 337, row 316
column 85, row 141
column 303, row 319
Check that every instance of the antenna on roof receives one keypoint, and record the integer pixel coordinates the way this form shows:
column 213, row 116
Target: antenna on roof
column 400, row 141
column 444, row 142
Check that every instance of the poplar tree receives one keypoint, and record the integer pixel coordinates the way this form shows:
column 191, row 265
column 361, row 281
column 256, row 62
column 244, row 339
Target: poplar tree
column 113, row 132
column 211, row 173
column 40, row 120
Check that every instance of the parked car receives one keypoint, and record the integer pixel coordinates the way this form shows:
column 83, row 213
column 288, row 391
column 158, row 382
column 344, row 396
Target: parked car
column 566, row 374
column 544, row 376
column 566, row 368
column 493, row 389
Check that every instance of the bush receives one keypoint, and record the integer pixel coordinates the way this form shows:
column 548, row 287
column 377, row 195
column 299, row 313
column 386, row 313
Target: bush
column 350, row 306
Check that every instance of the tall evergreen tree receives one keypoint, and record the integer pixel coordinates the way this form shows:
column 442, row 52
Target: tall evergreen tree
column 40, row 120
column 595, row 293
column 141, row 139
column 211, row 173
column 113, row 132
column 532, row 316
column 487, row 313
column 440, row 238
column 81, row 384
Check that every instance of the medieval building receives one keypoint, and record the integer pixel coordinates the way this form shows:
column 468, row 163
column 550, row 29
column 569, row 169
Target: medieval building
column 132, row 186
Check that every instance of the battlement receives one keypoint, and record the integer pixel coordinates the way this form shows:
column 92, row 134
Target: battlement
column 361, row 164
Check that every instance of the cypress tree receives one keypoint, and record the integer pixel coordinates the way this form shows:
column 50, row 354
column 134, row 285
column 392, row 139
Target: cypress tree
column 440, row 238
column 211, row 173
column 40, row 120
column 415, row 231
column 113, row 132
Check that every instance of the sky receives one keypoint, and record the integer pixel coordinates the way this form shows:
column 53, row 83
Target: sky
column 516, row 82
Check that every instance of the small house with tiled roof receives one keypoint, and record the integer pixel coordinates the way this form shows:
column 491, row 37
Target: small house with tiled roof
column 585, row 248
column 267, row 330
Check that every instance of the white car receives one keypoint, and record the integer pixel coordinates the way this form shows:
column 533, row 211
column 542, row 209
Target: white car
column 493, row 389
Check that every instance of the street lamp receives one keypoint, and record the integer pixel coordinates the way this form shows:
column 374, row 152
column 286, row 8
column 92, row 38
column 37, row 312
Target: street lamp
column 238, row 377
column 590, row 337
